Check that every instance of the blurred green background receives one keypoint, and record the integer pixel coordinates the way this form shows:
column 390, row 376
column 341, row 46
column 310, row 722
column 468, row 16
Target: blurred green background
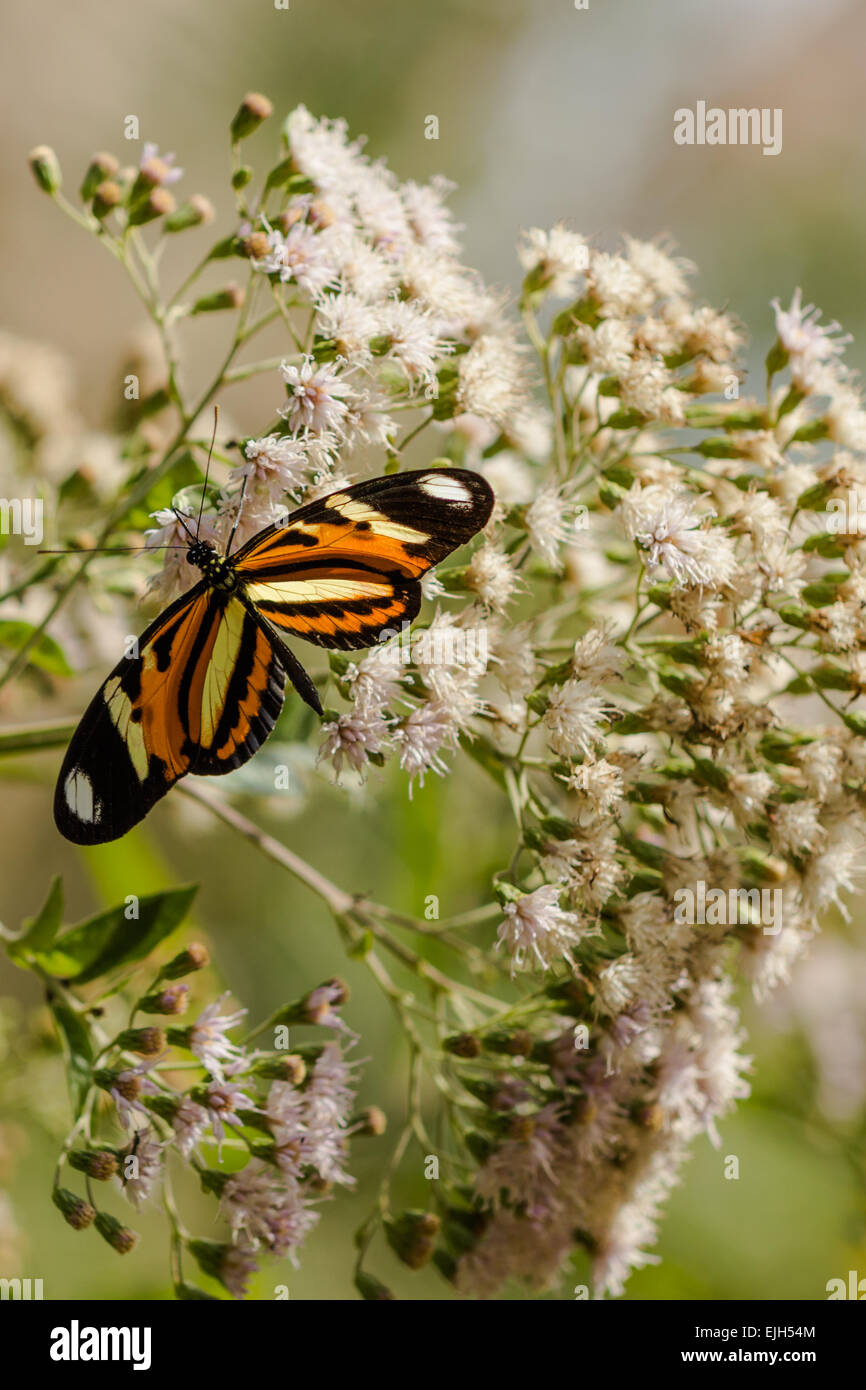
column 545, row 112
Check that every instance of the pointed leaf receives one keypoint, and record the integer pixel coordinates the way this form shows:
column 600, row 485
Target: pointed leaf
column 110, row 939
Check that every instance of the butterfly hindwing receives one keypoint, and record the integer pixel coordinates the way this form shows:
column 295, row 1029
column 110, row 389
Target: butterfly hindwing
column 343, row 570
column 202, row 694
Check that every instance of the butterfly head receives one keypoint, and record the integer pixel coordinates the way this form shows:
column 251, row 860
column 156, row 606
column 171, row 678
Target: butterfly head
column 216, row 569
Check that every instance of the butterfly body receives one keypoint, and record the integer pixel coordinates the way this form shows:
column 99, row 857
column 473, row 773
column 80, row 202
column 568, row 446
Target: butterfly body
column 204, row 685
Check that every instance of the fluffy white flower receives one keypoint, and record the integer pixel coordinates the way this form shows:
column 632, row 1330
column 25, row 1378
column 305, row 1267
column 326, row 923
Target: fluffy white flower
column 537, row 929
column 810, row 346
column 554, row 259
column 317, row 395
column 573, row 716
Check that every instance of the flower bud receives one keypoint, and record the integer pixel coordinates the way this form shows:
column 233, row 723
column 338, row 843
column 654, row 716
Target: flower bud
column 254, row 109
column 230, row 297
column 230, row 1264
column 76, row 1212
column 463, row 1045
column 256, row 246
column 512, row 1042
column 370, row 1123
column 412, row 1237
column 100, row 1164
column 291, row 1068
column 371, row 1289
column 106, row 198
column 118, row 1236
column 45, row 168
column 173, row 1000
column 159, row 203
column 317, row 1006
column 127, row 1084
column 147, row 1042
column 195, row 213
column 101, row 167
column 195, row 957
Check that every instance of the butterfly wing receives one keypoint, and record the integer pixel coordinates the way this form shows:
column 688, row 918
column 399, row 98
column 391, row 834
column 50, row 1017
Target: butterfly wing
column 343, row 570
column 201, row 696
column 208, row 682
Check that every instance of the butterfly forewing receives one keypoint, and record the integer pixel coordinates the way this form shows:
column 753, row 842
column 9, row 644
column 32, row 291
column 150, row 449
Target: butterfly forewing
column 344, row 570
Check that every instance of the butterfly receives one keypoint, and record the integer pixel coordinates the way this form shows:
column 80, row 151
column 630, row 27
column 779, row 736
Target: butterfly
column 206, row 682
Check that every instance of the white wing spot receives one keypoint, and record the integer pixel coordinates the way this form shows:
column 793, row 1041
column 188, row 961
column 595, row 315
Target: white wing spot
column 78, row 790
column 445, row 488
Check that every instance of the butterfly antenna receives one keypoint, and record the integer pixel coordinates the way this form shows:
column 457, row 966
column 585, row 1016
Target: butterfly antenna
column 216, row 416
column 179, row 516
column 110, row 549
column 237, row 514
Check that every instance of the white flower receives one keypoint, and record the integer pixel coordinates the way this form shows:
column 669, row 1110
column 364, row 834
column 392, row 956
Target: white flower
column 595, row 658
column 492, row 378
column 795, row 827
column 328, row 1101
column 608, row 347
column 514, row 659
column 430, row 221
column 422, row 738
column 268, row 1207
column 617, row 288
column 366, row 272
column 537, row 927
column 646, row 385
column 707, row 331
column 276, row 461
column 322, row 151
column 353, row 737
column 380, row 211
column 667, row 526
column 375, row 679
column 810, row 346
column 600, row 782
column 141, row 1169
column 491, row 576
column 189, row 1122
column 664, row 273
column 414, row 340
column 351, row 322
column 554, row 259
column 206, row 1038
column 546, row 525
column 845, row 417
column 317, row 395
column 573, row 717
column 302, row 255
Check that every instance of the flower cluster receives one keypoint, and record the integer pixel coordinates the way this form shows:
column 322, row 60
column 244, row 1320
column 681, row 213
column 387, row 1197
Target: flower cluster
column 655, row 652
column 265, row 1131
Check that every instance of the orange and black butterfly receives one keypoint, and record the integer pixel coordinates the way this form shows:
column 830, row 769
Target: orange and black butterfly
column 208, row 682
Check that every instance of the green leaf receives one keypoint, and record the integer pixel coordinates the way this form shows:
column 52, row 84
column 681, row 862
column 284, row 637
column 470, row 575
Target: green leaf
column 826, row 544
column 45, row 654
column 78, row 1047
column 40, row 931
column 110, row 939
